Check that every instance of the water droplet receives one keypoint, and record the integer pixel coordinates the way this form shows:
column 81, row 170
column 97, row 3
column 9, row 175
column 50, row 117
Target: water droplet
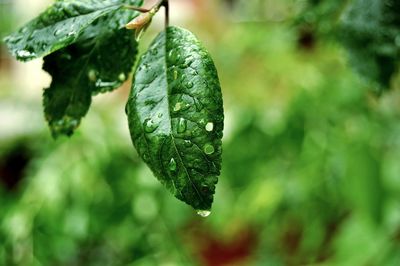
column 203, row 213
column 143, row 67
column 149, row 125
column 92, row 75
column 189, row 60
column 122, row 77
column 190, row 85
column 209, row 149
column 175, row 75
column 173, row 56
column 177, row 107
column 199, row 106
column 210, row 126
column 188, row 143
column 25, row 54
column 71, row 33
column 43, row 46
column 182, row 125
column 104, row 84
column 57, row 32
column 65, row 125
column 185, row 107
column 172, row 165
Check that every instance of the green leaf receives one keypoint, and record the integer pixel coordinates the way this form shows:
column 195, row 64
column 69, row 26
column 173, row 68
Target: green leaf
column 370, row 30
column 100, row 61
column 175, row 115
column 59, row 26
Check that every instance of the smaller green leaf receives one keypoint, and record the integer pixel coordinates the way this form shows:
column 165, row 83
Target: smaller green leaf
column 57, row 27
column 175, row 115
column 100, row 61
column 87, row 68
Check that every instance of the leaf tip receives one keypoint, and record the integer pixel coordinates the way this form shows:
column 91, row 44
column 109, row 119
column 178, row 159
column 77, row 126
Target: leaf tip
column 63, row 127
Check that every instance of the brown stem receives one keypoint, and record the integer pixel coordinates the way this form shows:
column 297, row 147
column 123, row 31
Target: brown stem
column 145, row 10
column 154, row 9
column 136, row 8
column 165, row 3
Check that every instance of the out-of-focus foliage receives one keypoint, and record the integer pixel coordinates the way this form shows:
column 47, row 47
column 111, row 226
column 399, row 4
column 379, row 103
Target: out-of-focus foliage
column 6, row 17
column 310, row 168
column 370, row 30
column 321, row 16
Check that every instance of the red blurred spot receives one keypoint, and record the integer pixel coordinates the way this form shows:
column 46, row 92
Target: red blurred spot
column 213, row 250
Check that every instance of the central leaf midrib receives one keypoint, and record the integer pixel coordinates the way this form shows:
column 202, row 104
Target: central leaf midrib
column 80, row 15
column 170, row 117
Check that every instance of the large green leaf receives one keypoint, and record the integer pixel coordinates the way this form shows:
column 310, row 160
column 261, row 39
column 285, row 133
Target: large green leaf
column 100, row 61
column 59, row 26
column 370, row 30
column 175, row 115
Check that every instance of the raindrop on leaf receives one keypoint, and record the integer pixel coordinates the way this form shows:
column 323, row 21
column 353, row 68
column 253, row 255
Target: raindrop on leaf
column 189, row 85
column 172, row 165
column 209, row 149
column 149, row 125
column 92, row 75
column 177, row 107
column 210, row 126
column 182, row 125
column 122, row 77
column 203, row 213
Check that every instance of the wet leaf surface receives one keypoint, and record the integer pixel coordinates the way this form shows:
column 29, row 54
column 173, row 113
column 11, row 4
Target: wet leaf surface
column 59, row 26
column 100, row 61
column 175, row 114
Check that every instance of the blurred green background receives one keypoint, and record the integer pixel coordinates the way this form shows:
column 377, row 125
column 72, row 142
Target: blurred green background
column 311, row 172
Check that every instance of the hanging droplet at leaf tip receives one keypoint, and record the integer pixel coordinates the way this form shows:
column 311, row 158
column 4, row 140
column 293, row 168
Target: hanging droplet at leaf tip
column 203, row 213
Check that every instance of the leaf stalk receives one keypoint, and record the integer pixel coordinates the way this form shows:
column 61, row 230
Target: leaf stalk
column 166, row 6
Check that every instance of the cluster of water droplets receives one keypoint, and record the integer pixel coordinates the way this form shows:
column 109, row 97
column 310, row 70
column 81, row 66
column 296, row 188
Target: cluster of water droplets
column 65, row 125
column 25, row 54
column 30, row 35
column 180, row 106
column 181, row 75
column 102, row 85
column 61, row 32
column 106, row 85
column 182, row 125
